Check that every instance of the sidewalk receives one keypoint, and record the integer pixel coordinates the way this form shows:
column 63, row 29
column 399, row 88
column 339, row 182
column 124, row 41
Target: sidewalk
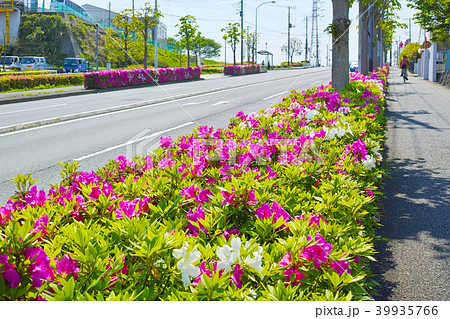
column 415, row 263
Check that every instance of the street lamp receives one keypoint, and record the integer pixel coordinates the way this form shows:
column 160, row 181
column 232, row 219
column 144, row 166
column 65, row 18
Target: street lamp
column 256, row 29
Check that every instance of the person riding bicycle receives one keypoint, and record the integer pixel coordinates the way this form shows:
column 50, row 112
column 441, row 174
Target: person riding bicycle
column 404, row 64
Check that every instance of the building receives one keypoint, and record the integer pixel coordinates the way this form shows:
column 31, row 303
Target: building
column 103, row 16
column 55, row 5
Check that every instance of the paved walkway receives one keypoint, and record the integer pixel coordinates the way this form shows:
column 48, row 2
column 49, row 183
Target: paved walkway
column 415, row 263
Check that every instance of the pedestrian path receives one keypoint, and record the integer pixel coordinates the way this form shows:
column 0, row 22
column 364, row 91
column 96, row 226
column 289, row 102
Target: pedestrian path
column 415, row 263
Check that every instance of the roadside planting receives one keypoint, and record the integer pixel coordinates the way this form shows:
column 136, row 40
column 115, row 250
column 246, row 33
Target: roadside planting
column 241, row 69
column 29, row 81
column 280, row 205
column 119, row 78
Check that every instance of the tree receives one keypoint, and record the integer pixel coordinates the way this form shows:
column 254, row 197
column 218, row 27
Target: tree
column 250, row 42
column 340, row 53
column 295, row 48
column 143, row 21
column 232, row 33
column 197, row 42
column 177, row 46
column 188, row 30
column 210, row 48
column 434, row 17
column 123, row 21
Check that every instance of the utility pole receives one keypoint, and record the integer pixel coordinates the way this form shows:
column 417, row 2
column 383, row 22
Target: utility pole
column 371, row 34
column 155, row 37
column 248, row 44
column 289, row 34
column 109, row 15
column 132, row 5
column 410, row 39
column 306, row 42
column 242, row 32
column 96, row 45
column 315, row 29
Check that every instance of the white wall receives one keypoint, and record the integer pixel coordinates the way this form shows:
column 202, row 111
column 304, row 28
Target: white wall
column 14, row 23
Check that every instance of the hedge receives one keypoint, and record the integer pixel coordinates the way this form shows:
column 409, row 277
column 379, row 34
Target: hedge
column 24, row 82
column 241, row 69
column 119, row 78
column 281, row 205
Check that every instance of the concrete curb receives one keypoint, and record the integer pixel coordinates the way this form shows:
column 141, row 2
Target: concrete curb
column 23, row 126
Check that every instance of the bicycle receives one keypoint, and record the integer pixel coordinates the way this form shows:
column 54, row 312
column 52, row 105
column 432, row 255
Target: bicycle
column 404, row 74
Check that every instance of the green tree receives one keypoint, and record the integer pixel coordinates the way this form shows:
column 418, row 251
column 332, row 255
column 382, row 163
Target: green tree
column 123, row 20
column 210, row 48
column 433, row 16
column 177, row 47
column 187, row 31
column 232, row 34
column 197, row 42
column 143, row 20
column 295, row 48
column 250, row 42
column 409, row 50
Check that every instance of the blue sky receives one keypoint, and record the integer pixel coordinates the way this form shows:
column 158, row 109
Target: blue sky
column 212, row 15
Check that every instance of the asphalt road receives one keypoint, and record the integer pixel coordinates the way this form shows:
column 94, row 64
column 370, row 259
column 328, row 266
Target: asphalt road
column 415, row 263
column 94, row 140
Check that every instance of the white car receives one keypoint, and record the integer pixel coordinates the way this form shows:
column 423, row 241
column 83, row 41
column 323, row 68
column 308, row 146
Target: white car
column 33, row 63
column 10, row 62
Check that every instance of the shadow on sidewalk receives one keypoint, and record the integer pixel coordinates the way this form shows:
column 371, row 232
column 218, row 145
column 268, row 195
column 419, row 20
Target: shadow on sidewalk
column 418, row 204
column 407, row 117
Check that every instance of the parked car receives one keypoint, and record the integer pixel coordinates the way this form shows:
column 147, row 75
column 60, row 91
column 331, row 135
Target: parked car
column 74, row 65
column 33, row 63
column 353, row 66
column 10, row 62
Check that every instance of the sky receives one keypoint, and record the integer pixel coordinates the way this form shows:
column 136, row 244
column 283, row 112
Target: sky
column 213, row 15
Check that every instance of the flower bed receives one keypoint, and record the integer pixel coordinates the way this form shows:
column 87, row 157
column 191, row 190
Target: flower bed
column 26, row 82
column 281, row 205
column 118, row 78
column 241, row 69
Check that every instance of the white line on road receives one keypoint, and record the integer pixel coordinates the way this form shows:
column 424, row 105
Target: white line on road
column 33, row 109
column 127, row 110
column 109, row 149
column 221, row 102
column 269, row 97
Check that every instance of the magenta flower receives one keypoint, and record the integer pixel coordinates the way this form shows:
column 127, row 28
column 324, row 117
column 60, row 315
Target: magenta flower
column 318, row 252
column 196, row 216
column 276, row 211
column 40, row 225
column 292, row 272
column 95, row 192
column 68, row 266
column 39, row 267
column 228, row 198
column 236, row 277
column 165, row 142
column 340, row 266
column 8, row 273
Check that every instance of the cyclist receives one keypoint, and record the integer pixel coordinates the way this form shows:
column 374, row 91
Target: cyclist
column 404, row 64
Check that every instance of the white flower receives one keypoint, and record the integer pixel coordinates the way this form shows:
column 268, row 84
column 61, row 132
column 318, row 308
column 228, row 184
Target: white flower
column 344, row 109
column 185, row 263
column 228, row 255
column 340, row 132
column 369, row 162
column 311, row 114
column 256, row 261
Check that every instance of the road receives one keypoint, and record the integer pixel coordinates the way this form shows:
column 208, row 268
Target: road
column 95, row 139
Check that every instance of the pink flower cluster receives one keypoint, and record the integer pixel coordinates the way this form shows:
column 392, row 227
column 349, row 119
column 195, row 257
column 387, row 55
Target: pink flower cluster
column 119, row 78
column 241, row 69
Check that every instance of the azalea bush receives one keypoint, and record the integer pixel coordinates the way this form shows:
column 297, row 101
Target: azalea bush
column 29, row 81
column 119, row 78
column 241, row 69
column 280, row 205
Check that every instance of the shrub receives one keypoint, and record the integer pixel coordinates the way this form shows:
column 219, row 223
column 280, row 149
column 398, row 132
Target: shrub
column 281, row 205
column 118, row 78
column 23, row 82
column 241, row 69
column 211, row 70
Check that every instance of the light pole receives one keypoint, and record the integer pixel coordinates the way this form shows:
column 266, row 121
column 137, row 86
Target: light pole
column 256, row 29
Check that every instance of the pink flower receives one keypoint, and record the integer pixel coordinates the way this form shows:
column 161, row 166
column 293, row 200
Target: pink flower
column 340, row 266
column 165, row 142
column 318, row 252
column 39, row 267
column 40, row 225
column 68, row 266
column 228, row 198
column 9, row 274
column 236, row 277
column 95, row 192
column 291, row 270
column 196, row 216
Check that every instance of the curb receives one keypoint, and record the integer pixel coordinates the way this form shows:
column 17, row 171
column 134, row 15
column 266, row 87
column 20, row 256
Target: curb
column 23, row 126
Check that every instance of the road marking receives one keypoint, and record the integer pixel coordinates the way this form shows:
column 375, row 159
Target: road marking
column 269, row 97
column 37, row 108
column 219, row 103
column 109, row 149
column 131, row 109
